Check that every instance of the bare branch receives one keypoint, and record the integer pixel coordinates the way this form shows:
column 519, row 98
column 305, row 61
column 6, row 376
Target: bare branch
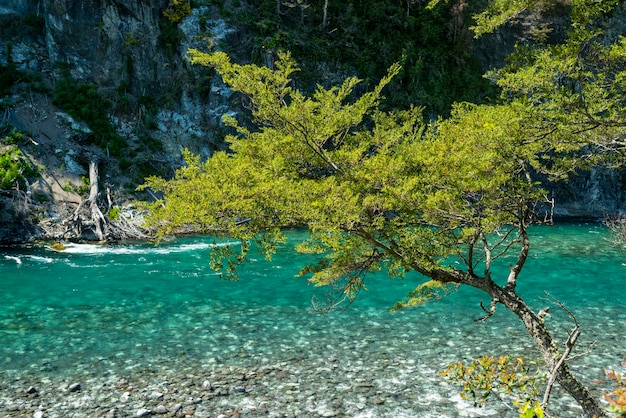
column 511, row 281
column 569, row 346
column 617, row 229
column 332, row 302
column 488, row 312
column 562, row 306
column 503, row 238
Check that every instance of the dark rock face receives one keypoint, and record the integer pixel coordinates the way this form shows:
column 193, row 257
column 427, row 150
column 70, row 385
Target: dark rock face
column 16, row 222
column 19, row 7
column 107, row 42
column 594, row 194
column 131, row 53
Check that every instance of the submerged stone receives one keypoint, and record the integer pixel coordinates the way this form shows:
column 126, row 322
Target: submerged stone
column 143, row 412
column 74, row 387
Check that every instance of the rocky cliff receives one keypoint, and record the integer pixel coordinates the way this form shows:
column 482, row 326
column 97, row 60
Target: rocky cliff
column 135, row 58
column 94, row 39
column 128, row 50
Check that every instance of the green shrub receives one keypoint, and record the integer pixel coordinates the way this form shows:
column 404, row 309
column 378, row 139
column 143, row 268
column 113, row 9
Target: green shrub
column 41, row 197
column 68, row 187
column 29, row 25
column 177, row 10
column 114, row 213
column 14, row 168
column 130, row 39
column 152, row 144
column 15, row 137
column 366, row 38
column 170, row 36
column 82, row 102
column 82, row 189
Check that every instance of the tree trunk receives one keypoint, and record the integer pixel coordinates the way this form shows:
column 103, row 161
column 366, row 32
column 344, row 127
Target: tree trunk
column 550, row 352
column 96, row 215
column 91, row 204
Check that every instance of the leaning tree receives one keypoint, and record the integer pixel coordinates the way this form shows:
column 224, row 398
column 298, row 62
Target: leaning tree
column 448, row 199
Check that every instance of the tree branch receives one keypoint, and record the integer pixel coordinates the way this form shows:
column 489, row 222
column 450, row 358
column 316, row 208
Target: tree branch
column 569, row 346
column 488, row 258
column 488, row 312
column 503, row 238
column 511, row 281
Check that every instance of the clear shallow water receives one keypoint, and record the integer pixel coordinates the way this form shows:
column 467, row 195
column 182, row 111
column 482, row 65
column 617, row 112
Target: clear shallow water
column 120, row 310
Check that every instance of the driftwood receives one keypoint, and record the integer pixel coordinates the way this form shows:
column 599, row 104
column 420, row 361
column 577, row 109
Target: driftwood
column 88, row 213
column 97, row 217
column 128, row 227
column 89, row 217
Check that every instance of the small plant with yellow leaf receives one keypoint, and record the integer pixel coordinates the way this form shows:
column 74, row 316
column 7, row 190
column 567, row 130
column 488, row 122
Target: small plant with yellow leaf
column 617, row 398
column 177, row 10
column 505, row 378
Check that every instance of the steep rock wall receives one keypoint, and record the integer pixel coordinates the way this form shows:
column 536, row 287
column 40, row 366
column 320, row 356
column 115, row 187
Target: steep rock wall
column 129, row 50
column 108, row 41
column 120, row 46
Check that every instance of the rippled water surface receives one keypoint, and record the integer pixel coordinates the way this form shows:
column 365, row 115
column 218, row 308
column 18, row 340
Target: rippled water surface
column 120, row 309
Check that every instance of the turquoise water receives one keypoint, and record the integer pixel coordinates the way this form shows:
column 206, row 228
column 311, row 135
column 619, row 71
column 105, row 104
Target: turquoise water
column 126, row 309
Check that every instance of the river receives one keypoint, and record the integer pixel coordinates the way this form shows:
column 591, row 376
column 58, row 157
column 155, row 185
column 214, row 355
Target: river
column 135, row 326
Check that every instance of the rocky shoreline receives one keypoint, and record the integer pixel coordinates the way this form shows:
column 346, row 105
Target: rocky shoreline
column 327, row 387
column 324, row 387
column 25, row 222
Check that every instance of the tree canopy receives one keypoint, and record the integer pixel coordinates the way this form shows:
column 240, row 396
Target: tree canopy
column 389, row 191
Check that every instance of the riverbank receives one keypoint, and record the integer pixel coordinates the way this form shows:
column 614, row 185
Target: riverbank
column 68, row 219
column 23, row 221
column 367, row 373
column 302, row 386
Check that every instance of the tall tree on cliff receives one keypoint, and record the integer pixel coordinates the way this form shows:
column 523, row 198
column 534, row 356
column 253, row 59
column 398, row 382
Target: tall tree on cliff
column 452, row 199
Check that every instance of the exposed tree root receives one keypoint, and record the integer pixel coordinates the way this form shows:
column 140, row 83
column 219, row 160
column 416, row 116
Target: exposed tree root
column 89, row 223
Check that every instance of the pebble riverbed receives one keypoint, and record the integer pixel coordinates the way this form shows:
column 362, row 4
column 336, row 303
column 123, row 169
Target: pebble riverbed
column 247, row 364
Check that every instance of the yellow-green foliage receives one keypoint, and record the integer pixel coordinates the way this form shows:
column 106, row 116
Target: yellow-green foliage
column 398, row 196
column 498, row 12
column 501, row 378
column 574, row 91
column 617, row 398
column 378, row 191
column 114, row 213
column 387, row 191
column 426, row 292
column 130, row 39
column 177, row 10
column 15, row 138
